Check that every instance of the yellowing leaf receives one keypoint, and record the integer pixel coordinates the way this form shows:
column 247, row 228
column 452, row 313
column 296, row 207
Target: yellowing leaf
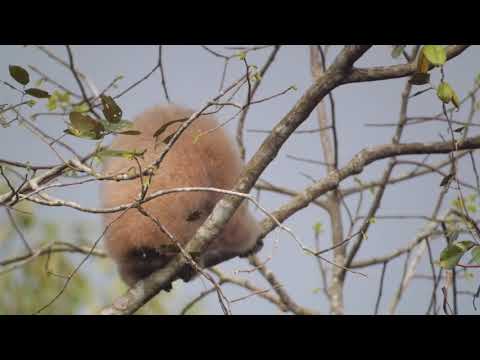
column 435, row 54
column 455, row 100
column 445, row 92
column 52, row 103
column 63, row 97
column 423, row 65
column 85, row 126
column 242, row 55
column 317, row 228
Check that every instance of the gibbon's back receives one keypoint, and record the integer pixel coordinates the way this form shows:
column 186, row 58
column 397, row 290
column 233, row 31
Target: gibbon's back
column 134, row 242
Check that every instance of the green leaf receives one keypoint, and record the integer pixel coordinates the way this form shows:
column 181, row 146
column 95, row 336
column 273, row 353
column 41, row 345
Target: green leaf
column 38, row 93
column 122, row 125
column 317, row 228
column 469, row 276
column 111, row 110
column 458, row 204
column 453, row 234
column 52, row 103
column 451, row 255
column 475, row 256
column 398, row 50
column 83, row 107
column 84, row 126
column 435, row 54
column 471, row 208
column 420, row 78
column 455, row 100
column 127, row 154
column 19, row 74
column 459, row 129
column 169, row 137
column 65, row 97
column 445, row 92
column 39, row 82
column 471, row 197
column 24, row 216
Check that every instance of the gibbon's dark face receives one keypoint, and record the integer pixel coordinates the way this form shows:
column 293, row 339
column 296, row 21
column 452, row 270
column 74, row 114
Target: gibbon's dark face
column 135, row 242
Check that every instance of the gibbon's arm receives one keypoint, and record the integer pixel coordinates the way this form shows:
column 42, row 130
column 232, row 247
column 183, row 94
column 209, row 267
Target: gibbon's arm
column 134, row 242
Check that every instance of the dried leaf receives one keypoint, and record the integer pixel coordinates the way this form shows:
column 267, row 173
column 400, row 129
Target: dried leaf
column 423, row 65
column 194, row 215
column 111, row 110
column 19, row 74
column 168, row 138
column 446, row 180
column 164, row 127
column 129, row 132
column 38, row 93
column 420, row 78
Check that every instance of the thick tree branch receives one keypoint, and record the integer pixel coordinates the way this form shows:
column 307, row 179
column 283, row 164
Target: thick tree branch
column 396, row 71
column 144, row 290
column 356, row 166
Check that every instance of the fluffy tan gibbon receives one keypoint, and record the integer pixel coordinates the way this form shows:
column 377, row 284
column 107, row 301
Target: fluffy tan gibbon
column 135, row 242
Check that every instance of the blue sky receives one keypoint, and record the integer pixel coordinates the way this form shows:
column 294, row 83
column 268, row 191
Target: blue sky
column 193, row 76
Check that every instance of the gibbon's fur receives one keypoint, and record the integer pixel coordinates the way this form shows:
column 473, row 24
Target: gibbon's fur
column 135, row 242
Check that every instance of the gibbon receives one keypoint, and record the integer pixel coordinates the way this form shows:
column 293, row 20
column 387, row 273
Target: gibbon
column 135, row 242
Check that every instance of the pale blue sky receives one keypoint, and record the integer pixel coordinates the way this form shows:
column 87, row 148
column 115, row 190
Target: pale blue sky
column 193, row 77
